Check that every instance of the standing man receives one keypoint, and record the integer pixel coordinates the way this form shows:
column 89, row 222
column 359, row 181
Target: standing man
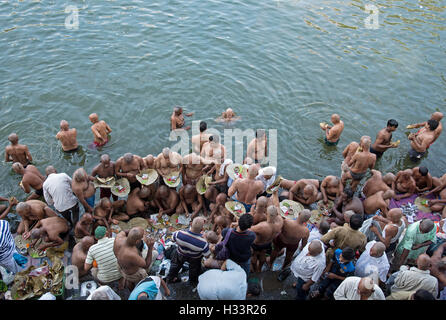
column 200, row 139
column 191, row 248
column 58, row 193
column 384, row 138
column 246, row 190
column 422, row 140
column 435, row 116
column 105, row 169
column 32, row 178
column 167, row 162
column 17, row 152
column 9, row 258
column 333, row 133
column 67, row 137
column 84, row 189
column 177, row 119
column 100, row 130
column 258, row 147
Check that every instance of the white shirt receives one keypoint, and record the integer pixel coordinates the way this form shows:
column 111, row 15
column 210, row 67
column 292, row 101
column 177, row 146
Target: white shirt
column 266, row 183
column 410, row 280
column 216, row 284
column 371, row 266
column 57, row 192
column 348, row 290
column 314, row 235
column 308, row 267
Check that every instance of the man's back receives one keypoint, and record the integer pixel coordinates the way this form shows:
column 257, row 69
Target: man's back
column 409, row 280
column 57, row 190
column 239, row 244
column 103, row 253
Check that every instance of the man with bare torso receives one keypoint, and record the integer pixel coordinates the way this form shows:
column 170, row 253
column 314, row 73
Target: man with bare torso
column 51, row 230
column 200, row 139
column 31, row 212
column 227, row 116
column 435, row 116
column 333, row 133
column 167, row 200
column 84, row 227
column 177, row 119
column 168, row 162
column 346, row 202
column 375, row 183
column 266, row 232
column 5, row 210
column 128, row 254
column 422, row 140
column 258, row 210
column 331, row 188
column 192, row 170
column 105, row 169
column 305, row 191
column 388, row 230
column 79, row 254
column 246, row 190
column 32, row 178
column 423, row 179
column 258, row 147
column 213, row 150
column 378, row 201
column 84, row 189
column 107, row 212
column 293, row 232
column 359, row 164
column 383, row 139
column 17, row 152
column 405, row 184
column 100, row 130
column 67, row 137
column 347, row 154
column 128, row 166
column 220, row 216
column 438, row 205
column 190, row 201
column 149, row 162
column 137, row 204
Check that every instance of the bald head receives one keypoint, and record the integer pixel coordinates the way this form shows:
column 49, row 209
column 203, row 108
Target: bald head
column 128, row 157
column 437, row 116
column 315, row 248
column 166, row 152
column 13, row 138
column 93, row 117
column 389, row 178
column 87, row 242
column 366, row 286
column 221, row 198
column 304, row 216
column 197, row 225
column 309, row 190
column 64, row 125
column 80, row 175
column 36, row 233
column 423, row 262
column 135, row 234
column 426, row 225
column 272, row 211
column 144, row 192
column 261, row 202
column 22, row 208
column 377, row 250
column 87, row 217
column 395, row 214
column 366, row 141
column 335, row 118
column 253, row 171
column 18, row 168
column 347, row 215
column 49, row 170
column 150, row 160
column 105, row 159
column 389, row 194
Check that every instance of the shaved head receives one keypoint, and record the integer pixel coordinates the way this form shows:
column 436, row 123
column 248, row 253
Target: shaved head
column 197, row 224
column 272, row 211
column 423, row 262
column 18, row 167
column 221, row 198
column 135, row 234
column 80, row 175
column 253, row 171
column 366, row 286
column 105, row 158
column 335, row 118
column 262, row 202
column 377, row 250
column 49, row 170
column 426, row 225
column 437, row 116
column 64, row 125
column 22, row 208
column 13, row 138
column 93, row 117
column 87, row 242
column 395, row 214
column 389, row 178
column 128, row 157
column 389, row 194
column 304, row 215
column 314, row 248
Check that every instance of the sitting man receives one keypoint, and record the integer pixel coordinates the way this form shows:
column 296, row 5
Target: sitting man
column 377, row 183
column 405, row 184
column 136, row 204
column 192, row 169
column 305, row 191
column 331, row 188
column 84, row 227
column 105, row 169
column 32, row 178
column 337, row 270
column 379, row 201
column 31, row 212
column 220, row 216
column 79, row 254
column 167, row 200
column 423, row 179
column 84, row 189
column 190, row 201
column 168, row 162
column 346, row 202
column 51, row 230
column 107, row 212
column 130, row 262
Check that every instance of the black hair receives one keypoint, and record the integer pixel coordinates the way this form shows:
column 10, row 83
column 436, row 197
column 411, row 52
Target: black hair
column 423, row 171
column 324, row 227
column 422, row 294
column 392, row 123
column 203, row 126
column 356, row 221
column 349, row 193
column 254, row 288
column 260, row 133
column 143, row 297
column 433, row 124
column 214, row 137
column 348, row 253
column 245, row 221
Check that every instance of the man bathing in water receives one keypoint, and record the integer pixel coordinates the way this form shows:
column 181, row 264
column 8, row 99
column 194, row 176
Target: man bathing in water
column 437, row 116
column 200, row 139
column 422, row 140
column 67, row 137
column 348, row 153
column 246, row 190
column 258, row 147
column 105, row 169
column 383, row 139
column 32, row 178
column 333, row 133
column 17, row 152
column 359, row 164
column 177, row 119
column 190, row 200
column 100, row 130
column 128, row 166
column 331, row 188
column 227, row 116
column 84, row 189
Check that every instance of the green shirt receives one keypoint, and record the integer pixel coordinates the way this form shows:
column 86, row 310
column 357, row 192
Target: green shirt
column 415, row 236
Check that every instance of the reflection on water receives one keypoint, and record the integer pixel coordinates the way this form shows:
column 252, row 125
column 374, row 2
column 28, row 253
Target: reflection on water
column 284, row 65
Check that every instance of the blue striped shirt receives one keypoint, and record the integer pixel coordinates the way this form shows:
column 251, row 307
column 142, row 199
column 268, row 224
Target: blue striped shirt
column 191, row 244
column 7, row 243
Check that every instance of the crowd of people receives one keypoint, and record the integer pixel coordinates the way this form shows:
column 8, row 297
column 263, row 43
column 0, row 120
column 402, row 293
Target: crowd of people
column 360, row 249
